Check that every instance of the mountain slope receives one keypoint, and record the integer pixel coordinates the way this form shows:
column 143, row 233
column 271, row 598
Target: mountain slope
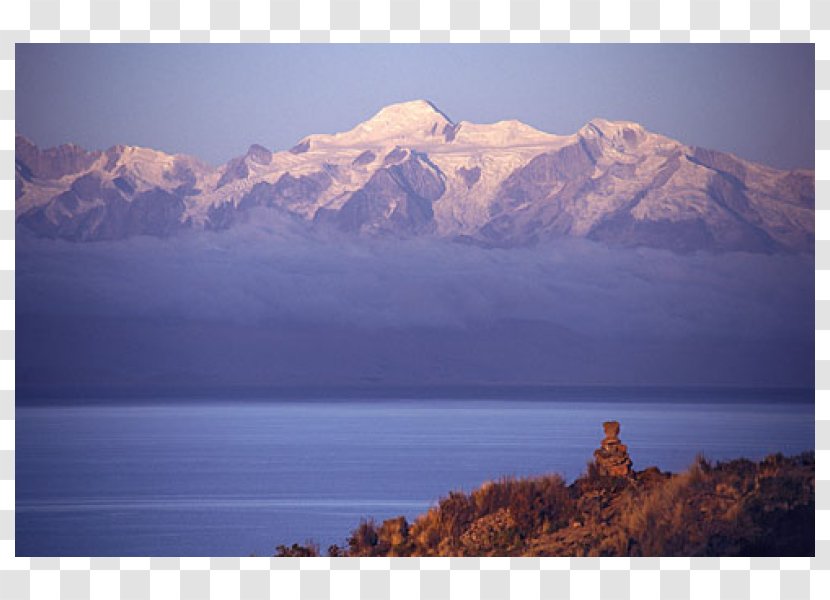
column 409, row 171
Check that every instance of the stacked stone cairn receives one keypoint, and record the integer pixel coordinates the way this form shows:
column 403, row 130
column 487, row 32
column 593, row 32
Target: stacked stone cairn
column 612, row 457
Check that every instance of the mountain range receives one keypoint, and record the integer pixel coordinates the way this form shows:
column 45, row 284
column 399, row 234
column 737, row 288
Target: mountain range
column 411, row 171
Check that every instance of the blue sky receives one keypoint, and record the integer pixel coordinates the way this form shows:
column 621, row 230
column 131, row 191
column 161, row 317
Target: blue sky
column 213, row 101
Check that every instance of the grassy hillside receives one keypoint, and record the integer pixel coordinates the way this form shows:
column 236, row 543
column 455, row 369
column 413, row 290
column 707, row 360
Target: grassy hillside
column 734, row 508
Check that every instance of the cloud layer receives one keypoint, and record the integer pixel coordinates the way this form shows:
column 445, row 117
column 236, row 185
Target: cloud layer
column 268, row 304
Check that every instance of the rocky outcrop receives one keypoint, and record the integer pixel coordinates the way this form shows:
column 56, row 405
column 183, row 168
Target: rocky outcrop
column 397, row 199
column 540, row 199
column 90, row 212
column 488, row 532
column 259, row 154
column 612, row 458
column 235, row 170
column 366, row 157
column 52, row 163
column 470, row 176
column 288, row 192
column 301, row 148
column 239, row 168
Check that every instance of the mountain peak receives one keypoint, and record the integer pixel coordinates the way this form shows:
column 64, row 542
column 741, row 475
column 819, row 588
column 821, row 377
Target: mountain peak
column 412, row 110
column 22, row 140
column 259, row 154
column 402, row 124
column 608, row 128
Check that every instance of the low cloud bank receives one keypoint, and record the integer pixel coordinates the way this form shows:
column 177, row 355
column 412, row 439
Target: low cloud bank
column 269, row 304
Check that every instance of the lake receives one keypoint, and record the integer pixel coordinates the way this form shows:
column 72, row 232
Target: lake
column 233, row 478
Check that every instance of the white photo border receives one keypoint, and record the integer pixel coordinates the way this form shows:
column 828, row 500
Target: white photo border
column 424, row 21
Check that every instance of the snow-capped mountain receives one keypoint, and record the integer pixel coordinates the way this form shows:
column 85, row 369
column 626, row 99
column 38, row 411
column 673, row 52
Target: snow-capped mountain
column 410, row 170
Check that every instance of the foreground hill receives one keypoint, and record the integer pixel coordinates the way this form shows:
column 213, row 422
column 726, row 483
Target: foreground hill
column 411, row 171
column 734, row 508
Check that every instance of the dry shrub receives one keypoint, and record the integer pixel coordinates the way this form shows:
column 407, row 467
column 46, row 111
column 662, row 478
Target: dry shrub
column 699, row 512
column 528, row 507
column 364, row 539
column 297, row 550
column 732, row 508
column 656, row 524
column 534, row 505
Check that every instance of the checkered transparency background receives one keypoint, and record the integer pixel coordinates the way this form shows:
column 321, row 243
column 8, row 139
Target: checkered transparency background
column 414, row 21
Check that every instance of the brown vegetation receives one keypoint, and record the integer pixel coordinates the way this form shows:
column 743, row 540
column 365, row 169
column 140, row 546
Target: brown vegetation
column 732, row 508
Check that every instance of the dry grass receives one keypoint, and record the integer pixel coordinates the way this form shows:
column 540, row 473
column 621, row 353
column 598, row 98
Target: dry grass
column 525, row 507
column 738, row 507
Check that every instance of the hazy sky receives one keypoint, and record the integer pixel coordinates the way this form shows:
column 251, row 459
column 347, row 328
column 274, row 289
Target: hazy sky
column 213, row 101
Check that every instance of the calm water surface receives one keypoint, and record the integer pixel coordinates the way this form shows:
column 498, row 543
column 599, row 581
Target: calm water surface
column 191, row 478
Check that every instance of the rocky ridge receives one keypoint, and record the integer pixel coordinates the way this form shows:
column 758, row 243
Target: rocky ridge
column 411, row 171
